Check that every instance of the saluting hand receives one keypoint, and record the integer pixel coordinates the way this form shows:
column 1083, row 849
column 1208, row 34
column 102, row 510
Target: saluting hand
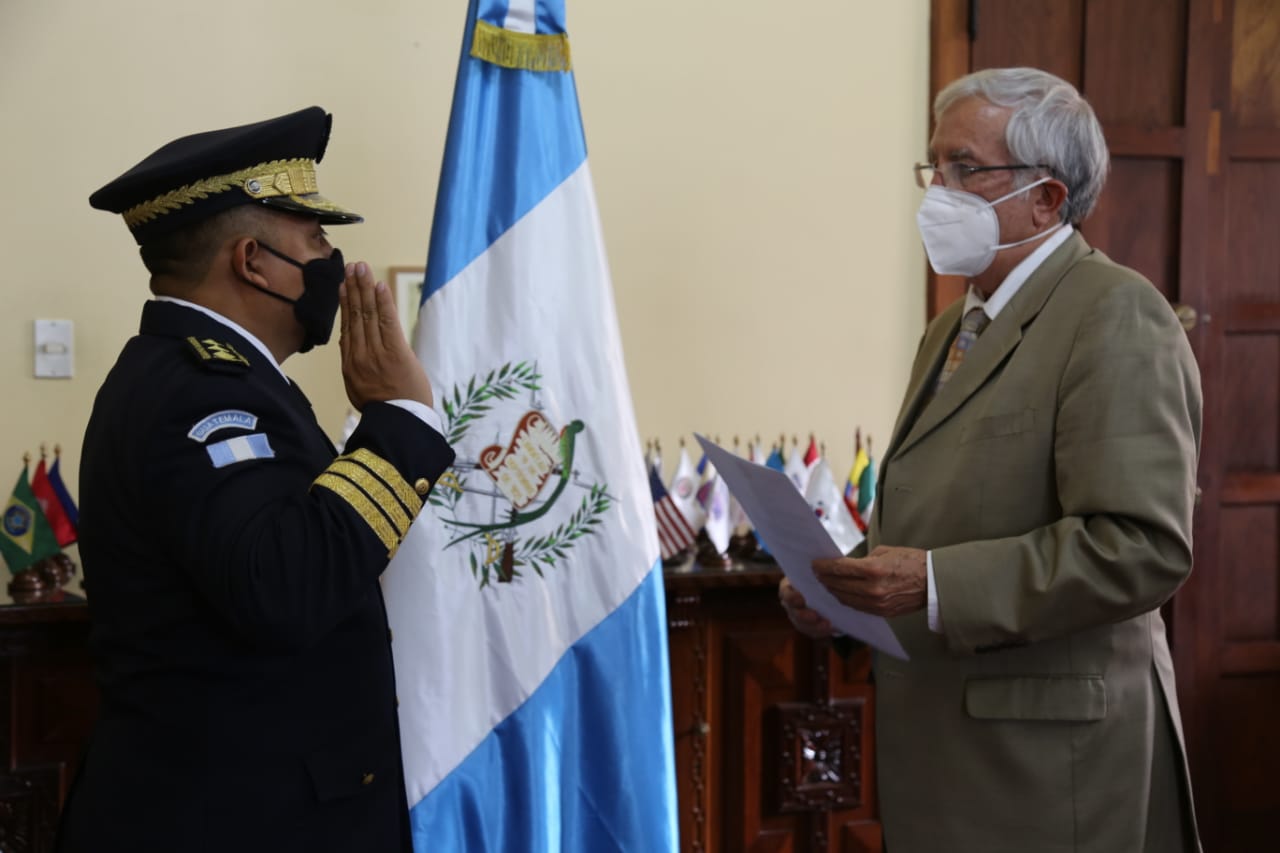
column 886, row 582
column 377, row 363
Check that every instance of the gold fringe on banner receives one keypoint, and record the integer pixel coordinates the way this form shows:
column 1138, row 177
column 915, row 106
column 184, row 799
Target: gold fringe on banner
column 527, row 51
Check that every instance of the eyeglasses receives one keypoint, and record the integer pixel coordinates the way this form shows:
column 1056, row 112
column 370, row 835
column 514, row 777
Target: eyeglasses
column 955, row 174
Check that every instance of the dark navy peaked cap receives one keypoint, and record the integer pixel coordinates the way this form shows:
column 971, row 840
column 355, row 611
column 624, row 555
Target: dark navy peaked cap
column 271, row 162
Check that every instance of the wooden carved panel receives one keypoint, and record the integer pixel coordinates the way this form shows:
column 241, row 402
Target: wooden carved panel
column 687, row 642
column 759, row 670
column 819, row 755
column 741, row 675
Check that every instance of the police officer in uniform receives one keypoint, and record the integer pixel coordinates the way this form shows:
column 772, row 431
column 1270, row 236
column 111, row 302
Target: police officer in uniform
column 231, row 556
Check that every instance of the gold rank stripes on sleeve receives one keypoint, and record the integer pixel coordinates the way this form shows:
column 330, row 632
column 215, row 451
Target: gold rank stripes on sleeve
column 376, row 491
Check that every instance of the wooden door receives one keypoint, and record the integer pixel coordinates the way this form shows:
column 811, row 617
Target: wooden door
column 1188, row 92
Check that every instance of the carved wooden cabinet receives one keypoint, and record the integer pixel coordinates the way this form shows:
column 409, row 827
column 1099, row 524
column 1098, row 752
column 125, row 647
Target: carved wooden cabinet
column 47, row 708
column 774, row 732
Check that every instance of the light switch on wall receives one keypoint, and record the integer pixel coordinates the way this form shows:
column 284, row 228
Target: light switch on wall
column 55, row 349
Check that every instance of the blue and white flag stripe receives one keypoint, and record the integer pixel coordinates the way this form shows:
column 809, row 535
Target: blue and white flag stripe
column 240, row 449
column 593, row 770
column 495, row 170
column 519, row 17
column 534, row 714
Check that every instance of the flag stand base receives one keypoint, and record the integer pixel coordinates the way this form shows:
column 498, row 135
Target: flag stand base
column 42, row 579
column 31, row 584
column 682, row 560
column 59, row 568
column 708, row 556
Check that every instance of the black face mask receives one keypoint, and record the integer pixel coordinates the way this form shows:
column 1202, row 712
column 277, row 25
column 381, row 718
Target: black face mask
column 317, row 307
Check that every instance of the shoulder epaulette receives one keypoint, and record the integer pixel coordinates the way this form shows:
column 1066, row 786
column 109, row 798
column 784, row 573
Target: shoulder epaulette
column 217, row 355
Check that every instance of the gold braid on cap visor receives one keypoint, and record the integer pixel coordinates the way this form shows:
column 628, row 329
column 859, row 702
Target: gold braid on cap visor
column 265, row 180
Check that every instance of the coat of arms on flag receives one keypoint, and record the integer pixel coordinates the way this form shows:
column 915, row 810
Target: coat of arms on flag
column 524, row 479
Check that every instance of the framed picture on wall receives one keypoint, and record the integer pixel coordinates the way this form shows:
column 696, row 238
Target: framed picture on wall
column 406, row 287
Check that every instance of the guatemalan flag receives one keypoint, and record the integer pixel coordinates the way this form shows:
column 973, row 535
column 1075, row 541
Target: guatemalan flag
column 527, row 603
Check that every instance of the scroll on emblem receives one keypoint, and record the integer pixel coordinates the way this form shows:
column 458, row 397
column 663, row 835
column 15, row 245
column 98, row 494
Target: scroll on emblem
column 522, row 467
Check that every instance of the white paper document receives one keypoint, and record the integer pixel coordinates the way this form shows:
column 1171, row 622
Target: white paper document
column 795, row 536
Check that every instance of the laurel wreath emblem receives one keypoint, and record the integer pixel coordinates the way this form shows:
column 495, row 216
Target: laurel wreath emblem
column 491, row 557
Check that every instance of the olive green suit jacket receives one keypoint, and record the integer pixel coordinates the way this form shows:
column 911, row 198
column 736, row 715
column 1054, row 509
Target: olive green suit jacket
column 1053, row 479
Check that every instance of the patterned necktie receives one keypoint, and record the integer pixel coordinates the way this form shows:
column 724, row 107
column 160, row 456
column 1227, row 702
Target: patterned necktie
column 970, row 327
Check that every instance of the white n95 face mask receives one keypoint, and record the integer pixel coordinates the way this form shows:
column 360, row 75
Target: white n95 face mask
column 960, row 230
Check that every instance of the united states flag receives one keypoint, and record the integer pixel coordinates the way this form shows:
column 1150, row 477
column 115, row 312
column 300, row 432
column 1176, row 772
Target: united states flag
column 674, row 532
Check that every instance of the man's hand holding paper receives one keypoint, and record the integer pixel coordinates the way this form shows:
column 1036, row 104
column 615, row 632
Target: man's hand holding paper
column 888, row 582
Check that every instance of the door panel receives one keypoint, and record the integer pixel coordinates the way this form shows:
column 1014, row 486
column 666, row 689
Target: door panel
column 1253, row 362
column 1041, row 33
column 1249, row 599
column 1253, row 213
column 1248, row 784
column 1145, row 235
column 1255, row 73
column 1153, row 90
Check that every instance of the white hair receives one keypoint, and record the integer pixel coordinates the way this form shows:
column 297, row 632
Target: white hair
column 1051, row 125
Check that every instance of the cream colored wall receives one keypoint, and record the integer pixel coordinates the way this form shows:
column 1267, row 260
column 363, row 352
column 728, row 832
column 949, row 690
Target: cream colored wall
column 752, row 169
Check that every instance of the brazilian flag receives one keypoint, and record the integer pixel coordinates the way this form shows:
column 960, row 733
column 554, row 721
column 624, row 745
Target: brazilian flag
column 25, row 534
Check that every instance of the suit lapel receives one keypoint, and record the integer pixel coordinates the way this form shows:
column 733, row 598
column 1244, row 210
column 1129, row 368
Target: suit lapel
column 933, row 351
column 983, row 357
column 990, row 350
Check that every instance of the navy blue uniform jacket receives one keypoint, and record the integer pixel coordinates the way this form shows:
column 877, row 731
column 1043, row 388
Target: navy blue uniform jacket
column 238, row 628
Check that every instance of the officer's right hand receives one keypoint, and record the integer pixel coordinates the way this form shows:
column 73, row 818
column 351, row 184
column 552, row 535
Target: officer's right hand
column 806, row 621
column 377, row 363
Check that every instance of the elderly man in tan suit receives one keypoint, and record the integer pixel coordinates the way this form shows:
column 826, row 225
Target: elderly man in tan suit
column 1034, row 509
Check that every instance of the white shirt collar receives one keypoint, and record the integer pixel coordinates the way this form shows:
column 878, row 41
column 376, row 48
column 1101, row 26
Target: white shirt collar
column 235, row 327
column 1017, row 276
